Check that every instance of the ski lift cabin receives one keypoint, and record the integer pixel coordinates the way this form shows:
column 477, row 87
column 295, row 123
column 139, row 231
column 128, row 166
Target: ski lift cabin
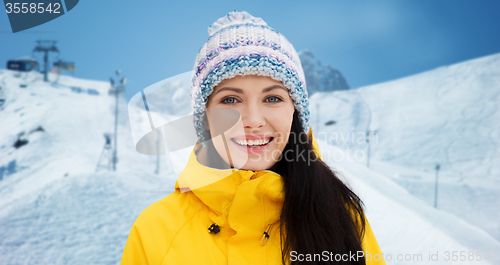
column 66, row 66
column 23, row 64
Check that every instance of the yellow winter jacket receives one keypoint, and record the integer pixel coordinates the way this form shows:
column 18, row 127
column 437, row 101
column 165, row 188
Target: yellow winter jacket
column 243, row 203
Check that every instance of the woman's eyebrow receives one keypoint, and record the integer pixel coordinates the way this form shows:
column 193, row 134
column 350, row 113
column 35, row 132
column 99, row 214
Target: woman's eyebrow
column 273, row 87
column 239, row 90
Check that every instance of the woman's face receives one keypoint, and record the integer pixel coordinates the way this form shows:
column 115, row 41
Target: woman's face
column 258, row 139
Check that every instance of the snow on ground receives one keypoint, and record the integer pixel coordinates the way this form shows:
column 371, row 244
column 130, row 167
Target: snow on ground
column 403, row 224
column 54, row 207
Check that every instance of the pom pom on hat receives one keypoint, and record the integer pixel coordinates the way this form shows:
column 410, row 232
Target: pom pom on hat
column 232, row 18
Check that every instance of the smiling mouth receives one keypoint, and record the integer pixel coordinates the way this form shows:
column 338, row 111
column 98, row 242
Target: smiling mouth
column 252, row 143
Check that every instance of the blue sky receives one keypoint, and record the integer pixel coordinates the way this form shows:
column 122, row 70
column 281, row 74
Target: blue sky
column 368, row 41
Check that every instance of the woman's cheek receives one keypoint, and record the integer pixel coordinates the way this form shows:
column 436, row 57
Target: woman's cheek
column 281, row 120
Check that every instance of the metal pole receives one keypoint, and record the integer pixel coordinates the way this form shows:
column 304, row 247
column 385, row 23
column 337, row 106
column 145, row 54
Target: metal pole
column 317, row 109
column 116, row 89
column 436, row 187
column 46, row 62
column 368, row 151
column 116, row 130
column 158, row 135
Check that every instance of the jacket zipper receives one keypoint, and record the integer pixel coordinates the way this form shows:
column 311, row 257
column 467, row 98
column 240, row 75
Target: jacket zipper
column 265, row 236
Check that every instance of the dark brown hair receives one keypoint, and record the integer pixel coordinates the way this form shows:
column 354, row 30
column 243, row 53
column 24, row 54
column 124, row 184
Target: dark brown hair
column 320, row 212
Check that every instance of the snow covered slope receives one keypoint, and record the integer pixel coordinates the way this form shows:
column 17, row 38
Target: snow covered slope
column 407, row 229
column 448, row 116
column 54, row 208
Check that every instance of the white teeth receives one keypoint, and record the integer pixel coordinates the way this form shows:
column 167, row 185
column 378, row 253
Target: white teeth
column 255, row 142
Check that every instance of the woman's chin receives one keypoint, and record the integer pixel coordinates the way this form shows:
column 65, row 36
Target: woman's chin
column 256, row 166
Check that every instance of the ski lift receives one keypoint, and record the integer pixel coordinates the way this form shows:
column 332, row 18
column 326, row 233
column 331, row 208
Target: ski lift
column 46, row 47
column 61, row 65
column 23, row 64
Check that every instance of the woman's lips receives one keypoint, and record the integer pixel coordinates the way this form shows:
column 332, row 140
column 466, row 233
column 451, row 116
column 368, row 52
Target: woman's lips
column 252, row 149
column 252, row 137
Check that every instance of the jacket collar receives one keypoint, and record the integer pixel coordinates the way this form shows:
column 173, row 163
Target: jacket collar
column 217, row 188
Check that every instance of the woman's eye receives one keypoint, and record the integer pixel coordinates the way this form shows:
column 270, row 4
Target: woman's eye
column 273, row 99
column 229, row 101
column 232, row 100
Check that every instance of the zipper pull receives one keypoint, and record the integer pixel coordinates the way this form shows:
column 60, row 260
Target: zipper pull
column 214, row 228
column 265, row 237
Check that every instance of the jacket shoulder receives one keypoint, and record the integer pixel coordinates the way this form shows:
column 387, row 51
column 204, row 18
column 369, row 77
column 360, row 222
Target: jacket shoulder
column 156, row 227
column 170, row 212
column 373, row 253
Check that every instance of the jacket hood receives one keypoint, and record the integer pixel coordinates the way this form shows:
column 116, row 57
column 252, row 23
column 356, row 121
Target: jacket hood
column 236, row 197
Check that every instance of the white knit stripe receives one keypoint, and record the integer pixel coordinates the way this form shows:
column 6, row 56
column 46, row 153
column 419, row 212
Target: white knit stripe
column 234, row 34
column 219, row 39
column 213, row 42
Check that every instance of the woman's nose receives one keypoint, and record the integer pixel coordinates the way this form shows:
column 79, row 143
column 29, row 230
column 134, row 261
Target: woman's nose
column 253, row 117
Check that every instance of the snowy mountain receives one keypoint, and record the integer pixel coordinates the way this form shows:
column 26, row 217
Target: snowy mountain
column 171, row 97
column 320, row 78
column 56, row 209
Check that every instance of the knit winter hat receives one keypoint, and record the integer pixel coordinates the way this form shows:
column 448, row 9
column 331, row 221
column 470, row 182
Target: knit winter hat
column 240, row 44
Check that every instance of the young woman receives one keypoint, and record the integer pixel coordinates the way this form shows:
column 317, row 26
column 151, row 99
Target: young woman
column 257, row 191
